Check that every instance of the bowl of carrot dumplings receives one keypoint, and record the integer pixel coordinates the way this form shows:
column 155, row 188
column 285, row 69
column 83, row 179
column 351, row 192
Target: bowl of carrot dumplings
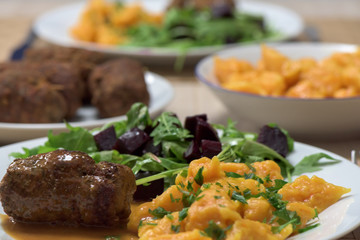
column 310, row 89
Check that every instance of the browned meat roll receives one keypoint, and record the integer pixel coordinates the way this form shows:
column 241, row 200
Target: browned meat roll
column 16, row 80
column 67, row 187
column 67, row 81
column 116, row 84
column 27, row 97
column 81, row 59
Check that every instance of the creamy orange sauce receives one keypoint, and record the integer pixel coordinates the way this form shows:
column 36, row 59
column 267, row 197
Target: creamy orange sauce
column 25, row 231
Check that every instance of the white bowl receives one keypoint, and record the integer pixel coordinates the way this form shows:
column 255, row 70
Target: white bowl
column 303, row 118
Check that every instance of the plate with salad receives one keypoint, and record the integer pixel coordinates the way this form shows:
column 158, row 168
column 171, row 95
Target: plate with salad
column 170, row 144
column 156, row 30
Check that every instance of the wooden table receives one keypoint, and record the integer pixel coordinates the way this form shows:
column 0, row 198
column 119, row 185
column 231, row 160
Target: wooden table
column 334, row 20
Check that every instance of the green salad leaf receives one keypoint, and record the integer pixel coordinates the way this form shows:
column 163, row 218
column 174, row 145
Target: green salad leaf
column 169, row 133
column 78, row 139
column 313, row 163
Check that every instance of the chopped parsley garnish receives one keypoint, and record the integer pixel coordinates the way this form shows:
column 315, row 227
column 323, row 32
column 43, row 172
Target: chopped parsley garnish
column 215, row 232
column 159, row 212
column 238, row 197
column 183, row 214
column 199, row 178
column 175, row 228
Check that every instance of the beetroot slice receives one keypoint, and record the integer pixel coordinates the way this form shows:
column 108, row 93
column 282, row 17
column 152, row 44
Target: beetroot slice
column 205, row 131
column 106, row 139
column 149, row 147
column 274, row 138
column 192, row 121
column 193, row 152
column 147, row 193
column 131, row 141
column 210, row 148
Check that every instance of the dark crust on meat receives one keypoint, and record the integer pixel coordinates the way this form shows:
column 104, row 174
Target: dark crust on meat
column 83, row 60
column 116, row 85
column 39, row 101
column 62, row 77
column 67, row 187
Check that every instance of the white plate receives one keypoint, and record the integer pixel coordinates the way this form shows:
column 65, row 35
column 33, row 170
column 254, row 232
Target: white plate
column 160, row 90
column 53, row 26
column 336, row 221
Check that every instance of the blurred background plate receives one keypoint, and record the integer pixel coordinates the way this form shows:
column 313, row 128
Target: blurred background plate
column 53, row 26
column 303, row 118
column 160, row 90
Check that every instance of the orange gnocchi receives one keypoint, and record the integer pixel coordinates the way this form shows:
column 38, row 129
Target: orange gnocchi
column 337, row 76
column 237, row 200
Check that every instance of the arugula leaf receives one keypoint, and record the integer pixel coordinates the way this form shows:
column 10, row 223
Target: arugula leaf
column 229, row 134
column 169, row 128
column 228, row 154
column 146, row 164
column 312, row 163
column 138, row 116
column 260, row 150
column 78, row 139
column 171, row 149
column 106, row 156
column 160, row 175
column 32, row 151
column 307, row 228
column 171, row 163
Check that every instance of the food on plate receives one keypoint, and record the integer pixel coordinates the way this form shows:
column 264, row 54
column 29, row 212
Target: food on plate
column 116, row 84
column 67, row 187
column 216, row 200
column 157, row 149
column 55, row 83
column 106, row 22
column 39, row 93
column 181, row 25
column 337, row 76
column 236, row 189
column 81, row 59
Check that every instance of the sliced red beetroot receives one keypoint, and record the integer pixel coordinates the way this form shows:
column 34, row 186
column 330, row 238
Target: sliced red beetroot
column 205, row 131
column 106, row 139
column 274, row 138
column 210, row 148
column 192, row 121
column 147, row 193
column 131, row 141
column 148, row 129
column 193, row 152
column 149, row 147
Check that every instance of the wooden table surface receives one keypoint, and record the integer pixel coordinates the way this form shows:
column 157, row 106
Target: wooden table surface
column 334, row 20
